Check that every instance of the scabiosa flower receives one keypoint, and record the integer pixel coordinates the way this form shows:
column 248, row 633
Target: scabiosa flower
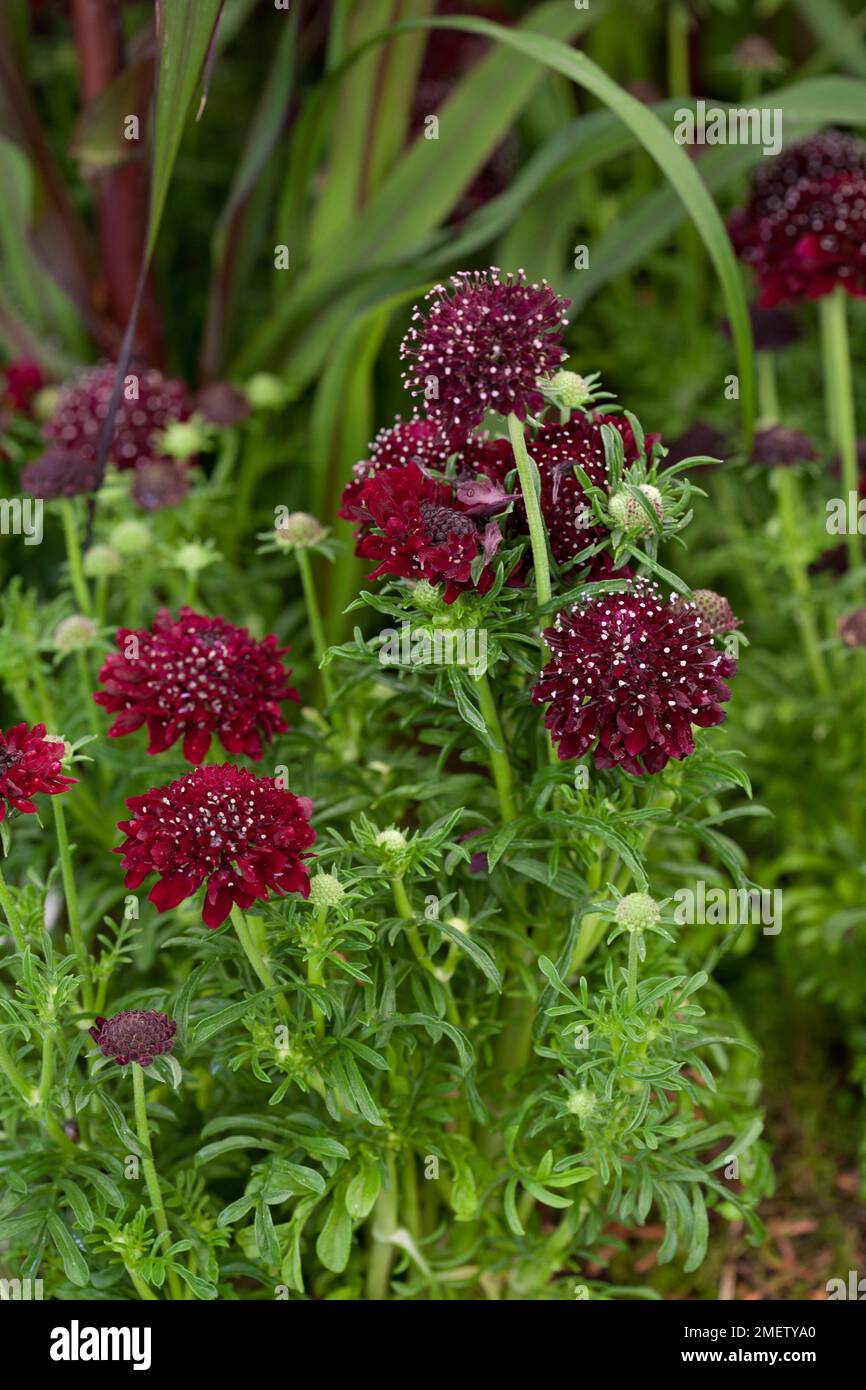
column 244, row 836
column 415, row 528
column 629, row 677
column 852, row 628
column 159, row 483
column 556, row 449
column 779, row 447
column 803, row 230
column 483, row 346
column 29, row 765
column 192, row 677
column 410, row 441
column 59, row 473
column 23, row 379
column 134, row 1035
column 699, row 440
column 714, row 608
column 77, row 420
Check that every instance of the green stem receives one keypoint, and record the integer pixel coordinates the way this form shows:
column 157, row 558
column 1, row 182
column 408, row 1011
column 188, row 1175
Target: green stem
column 840, row 398
column 498, row 757
column 315, row 966
column 71, row 895
column 787, row 495
column 150, row 1175
column 140, row 1287
column 10, row 912
column 383, row 1224
column 314, row 614
column 404, row 909
column 252, row 949
column 678, row 49
column 768, row 394
column 633, row 952
column 73, row 555
column 528, row 475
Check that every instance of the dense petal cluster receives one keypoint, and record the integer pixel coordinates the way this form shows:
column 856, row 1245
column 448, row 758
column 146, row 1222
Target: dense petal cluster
column 243, row 836
column 192, row 677
column 556, row 449
column 803, row 229
column 76, row 422
column 777, row 446
column 59, row 473
column 134, row 1035
column 415, row 527
column 22, row 378
column 629, row 677
column 410, row 441
column 159, row 483
column 29, row 764
column 483, row 345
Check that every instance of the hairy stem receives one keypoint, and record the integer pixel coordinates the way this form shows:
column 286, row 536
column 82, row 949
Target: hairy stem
column 246, row 933
column 840, row 398
column 537, row 537
column 498, row 757
column 73, row 556
column 150, row 1174
column 314, row 613
column 71, row 895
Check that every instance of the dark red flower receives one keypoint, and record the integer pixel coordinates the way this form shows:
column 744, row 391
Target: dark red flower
column 778, row 447
column 241, row 835
column 629, row 677
column 556, row 449
column 192, row 677
column 159, row 483
column 59, row 474
column 83, row 405
column 415, row 528
column 29, row 765
column 23, row 379
column 134, row 1035
column 410, row 441
column 700, row 439
column 222, row 404
column 852, row 628
column 483, row 346
column 803, row 229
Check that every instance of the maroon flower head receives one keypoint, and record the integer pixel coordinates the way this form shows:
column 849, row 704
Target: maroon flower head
column 415, row 528
column 803, row 229
column 134, row 1035
column 779, row 447
column 159, row 483
column 59, row 473
column 412, row 441
column 242, row 835
column 483, row 346
column 852, row 628
column 629, row 677
column 29, row 764
column 556, row 449
column 77, row 420
column 194, row 677
column 23, row 379
column 222, row 404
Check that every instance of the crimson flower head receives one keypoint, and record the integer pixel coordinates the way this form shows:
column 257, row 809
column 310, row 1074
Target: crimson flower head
column 58, row 473
column 29, row 765
column 192, row 677
column 220, row 825
column 564, row 505
column 629, row 677
column 416, row 528
column 76, row 423
column 23, row 379
column 483, row 345
column 803, row 229
column 134, row 1035
column 410, row 441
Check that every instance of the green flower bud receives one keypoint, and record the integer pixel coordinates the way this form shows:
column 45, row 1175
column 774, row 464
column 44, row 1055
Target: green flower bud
column 300, row 529
column 326, row 890
column 391, row 839
column 581, row 1103
column 570, row 389
column 192, row 558
column 131, row 538
column 266, row 392
column 628, row 513
column 74, row 634
column 181, row 439
column 637, row 911
column 101, row 562
column 44, row 403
